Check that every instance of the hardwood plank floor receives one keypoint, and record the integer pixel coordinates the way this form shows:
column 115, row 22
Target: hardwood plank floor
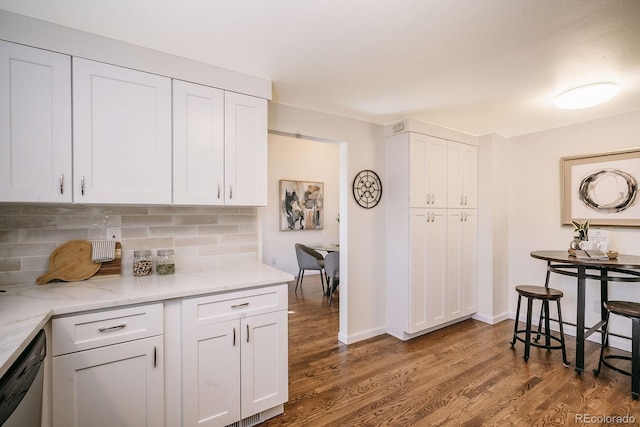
column 463, row 375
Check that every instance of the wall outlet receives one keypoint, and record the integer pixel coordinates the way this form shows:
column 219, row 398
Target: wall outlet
column 114, row 233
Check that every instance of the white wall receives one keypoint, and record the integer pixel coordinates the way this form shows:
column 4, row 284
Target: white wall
column 301, row 160
column 362, row 245
column 45, row 35
column 493, row 238
column 534, row 221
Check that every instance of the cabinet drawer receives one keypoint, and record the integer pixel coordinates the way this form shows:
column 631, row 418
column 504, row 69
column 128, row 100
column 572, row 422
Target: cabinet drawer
column 233, row 305
column 85, row 331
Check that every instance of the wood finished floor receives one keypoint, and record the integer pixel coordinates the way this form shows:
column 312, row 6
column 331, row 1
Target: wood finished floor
column 463, row 375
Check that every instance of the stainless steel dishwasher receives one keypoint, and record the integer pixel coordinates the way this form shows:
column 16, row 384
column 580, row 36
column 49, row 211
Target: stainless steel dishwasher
column 21, row 387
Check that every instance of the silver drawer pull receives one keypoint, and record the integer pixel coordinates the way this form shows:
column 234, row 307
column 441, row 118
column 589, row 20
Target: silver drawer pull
column 112, row 328
column 244, row 304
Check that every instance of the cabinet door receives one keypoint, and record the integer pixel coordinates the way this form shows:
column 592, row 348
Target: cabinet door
column 35, row 125
column 427, row 158
column 122, row 135
column 120, row 385
column 198, row 144
column 245, row 150
column 265, row 374
column 427, row 269
column 462, row 175
column 462, row 263
column 211, row 374
column 470, row 262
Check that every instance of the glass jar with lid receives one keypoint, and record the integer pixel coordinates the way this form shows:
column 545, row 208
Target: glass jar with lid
column 165, row 263
column 142, row 263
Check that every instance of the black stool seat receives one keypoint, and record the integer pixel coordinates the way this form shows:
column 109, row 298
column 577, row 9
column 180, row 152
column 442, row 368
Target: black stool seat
column 544, row 294
column 632, row 311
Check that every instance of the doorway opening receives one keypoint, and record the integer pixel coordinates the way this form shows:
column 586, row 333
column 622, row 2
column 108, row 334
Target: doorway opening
column 307, row 159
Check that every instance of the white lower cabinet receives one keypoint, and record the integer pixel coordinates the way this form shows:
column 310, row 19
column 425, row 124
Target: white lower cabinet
column 226, row 362
column 107, row 368
column 462, row 262
column 234, row 360
column 427, row 293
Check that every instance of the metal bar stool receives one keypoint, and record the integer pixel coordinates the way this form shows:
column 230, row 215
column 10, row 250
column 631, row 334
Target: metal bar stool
column 632, row 311
column 544, row 294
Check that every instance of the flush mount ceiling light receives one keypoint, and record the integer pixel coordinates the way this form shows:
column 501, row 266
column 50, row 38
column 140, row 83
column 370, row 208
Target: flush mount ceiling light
column 586, row 96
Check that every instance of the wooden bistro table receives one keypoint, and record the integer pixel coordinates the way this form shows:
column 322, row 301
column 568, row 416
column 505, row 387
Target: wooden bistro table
column 624, row 268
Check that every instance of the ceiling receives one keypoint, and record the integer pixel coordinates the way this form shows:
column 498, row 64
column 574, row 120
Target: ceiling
column 477, row 66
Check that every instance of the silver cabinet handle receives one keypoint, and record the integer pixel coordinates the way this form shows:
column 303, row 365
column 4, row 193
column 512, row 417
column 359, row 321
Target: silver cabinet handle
column 433, row 199
column 112, row 328
column 218, row 190
column 82, row 185
column 247, row 333
column 244, row 304
column 465, row 200
column 234, row 337
column 61, row 184
column 230, row 191
column 427, row 198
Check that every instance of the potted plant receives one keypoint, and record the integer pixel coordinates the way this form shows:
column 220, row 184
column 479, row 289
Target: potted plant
column 582, row 233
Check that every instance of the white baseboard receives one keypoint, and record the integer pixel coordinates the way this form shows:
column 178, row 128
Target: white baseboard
column 492, row 320
column 360, row 336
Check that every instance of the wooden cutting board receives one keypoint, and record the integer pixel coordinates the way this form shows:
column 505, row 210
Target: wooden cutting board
column 111, row 268
column 71, row 261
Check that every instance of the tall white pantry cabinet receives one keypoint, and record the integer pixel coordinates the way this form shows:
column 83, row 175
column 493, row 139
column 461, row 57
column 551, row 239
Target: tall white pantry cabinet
column 431, row 233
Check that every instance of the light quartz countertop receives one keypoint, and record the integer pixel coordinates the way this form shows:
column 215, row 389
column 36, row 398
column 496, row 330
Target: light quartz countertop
column 25, row 309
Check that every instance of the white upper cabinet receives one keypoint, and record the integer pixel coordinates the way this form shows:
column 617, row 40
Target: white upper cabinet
column 219, row 147
column 122, row 135
column 35, row 125
column 81, row 131
column 198, row 144
column 462, row 160
column 245, row 150
column 428, row 166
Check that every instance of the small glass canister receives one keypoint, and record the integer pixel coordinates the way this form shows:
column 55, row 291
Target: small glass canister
column 142, row 262
column 165, row 263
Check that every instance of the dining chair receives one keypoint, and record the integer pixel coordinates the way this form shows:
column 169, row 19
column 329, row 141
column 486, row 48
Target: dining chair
column 308, row 259
column 332, row 270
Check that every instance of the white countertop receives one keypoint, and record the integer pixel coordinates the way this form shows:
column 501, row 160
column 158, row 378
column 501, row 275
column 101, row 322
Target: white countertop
column 25, row 309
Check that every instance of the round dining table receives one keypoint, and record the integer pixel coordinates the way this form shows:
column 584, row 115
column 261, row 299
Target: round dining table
column 623, row 268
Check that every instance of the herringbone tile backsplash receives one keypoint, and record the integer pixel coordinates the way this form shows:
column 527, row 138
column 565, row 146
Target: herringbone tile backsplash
column 203, row 237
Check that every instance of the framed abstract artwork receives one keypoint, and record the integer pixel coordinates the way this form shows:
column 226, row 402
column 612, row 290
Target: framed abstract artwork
column 602, row 188
column 301, row 205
